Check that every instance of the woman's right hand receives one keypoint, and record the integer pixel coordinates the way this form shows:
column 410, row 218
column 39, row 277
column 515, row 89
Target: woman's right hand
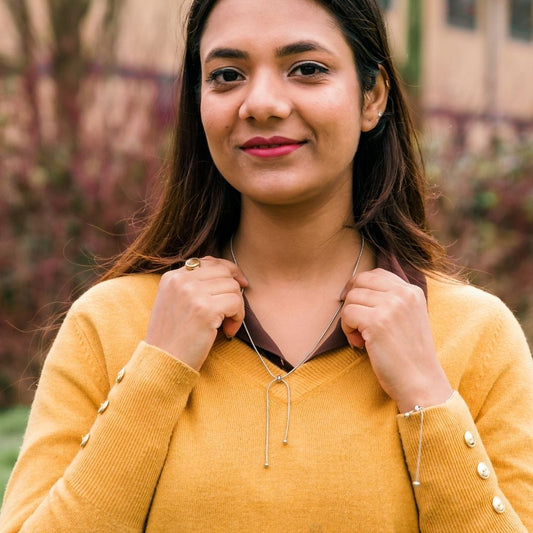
column 190, row 307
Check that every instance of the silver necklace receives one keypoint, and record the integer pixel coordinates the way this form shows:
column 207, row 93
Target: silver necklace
column 282, row 378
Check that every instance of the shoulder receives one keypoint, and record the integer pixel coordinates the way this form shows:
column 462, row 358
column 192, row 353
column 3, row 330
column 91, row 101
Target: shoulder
column 474, row 317
column 131, row 289
column 449, row 296
column 120, row 304
column 110, row 319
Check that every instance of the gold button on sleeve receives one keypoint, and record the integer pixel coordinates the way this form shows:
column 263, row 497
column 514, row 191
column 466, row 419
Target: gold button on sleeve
column 498, row 505
column 120, row 375
column 85, row 440
column 103, row 407
column 483, row 471
column 470, row 439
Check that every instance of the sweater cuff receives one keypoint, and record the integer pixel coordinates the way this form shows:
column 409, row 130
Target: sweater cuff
column 458, row 484
column 124, row 451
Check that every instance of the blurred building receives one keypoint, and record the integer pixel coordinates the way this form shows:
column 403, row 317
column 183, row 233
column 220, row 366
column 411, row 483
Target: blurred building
column 470, row 64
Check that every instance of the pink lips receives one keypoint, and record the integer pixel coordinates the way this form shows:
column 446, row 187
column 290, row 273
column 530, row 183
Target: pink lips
column 272, row 147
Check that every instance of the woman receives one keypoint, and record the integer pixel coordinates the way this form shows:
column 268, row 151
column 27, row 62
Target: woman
column 365, row 391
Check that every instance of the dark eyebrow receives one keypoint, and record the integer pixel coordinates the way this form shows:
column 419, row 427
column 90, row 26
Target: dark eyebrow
column 298, row 47
column 226, row 53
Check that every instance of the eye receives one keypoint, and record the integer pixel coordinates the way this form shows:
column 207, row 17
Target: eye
column 223, row 76
column 309, row 70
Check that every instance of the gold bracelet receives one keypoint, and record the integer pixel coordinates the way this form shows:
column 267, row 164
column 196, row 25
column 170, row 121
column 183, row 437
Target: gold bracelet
column 418, row 409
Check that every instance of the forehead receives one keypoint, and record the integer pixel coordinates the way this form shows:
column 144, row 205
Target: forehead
column 246, row 23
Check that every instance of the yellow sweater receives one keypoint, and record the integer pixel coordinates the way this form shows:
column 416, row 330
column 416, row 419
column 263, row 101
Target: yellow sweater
column 177, row 450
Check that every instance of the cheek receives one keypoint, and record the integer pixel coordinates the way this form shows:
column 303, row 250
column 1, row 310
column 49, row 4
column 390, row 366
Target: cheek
column 341, row 129
column 215, row 123
column 207, row 119
column 340, row 113
column 209, row 112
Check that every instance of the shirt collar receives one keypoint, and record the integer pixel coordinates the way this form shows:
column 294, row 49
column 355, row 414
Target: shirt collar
column 336, row 339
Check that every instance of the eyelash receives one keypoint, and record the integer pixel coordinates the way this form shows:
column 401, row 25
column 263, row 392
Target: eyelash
column 221, row 71
column 319, row 71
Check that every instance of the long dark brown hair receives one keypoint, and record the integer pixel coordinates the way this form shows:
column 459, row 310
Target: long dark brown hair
column 199, row 211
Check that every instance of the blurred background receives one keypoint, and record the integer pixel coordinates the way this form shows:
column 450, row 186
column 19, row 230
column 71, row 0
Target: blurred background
column 87, row 99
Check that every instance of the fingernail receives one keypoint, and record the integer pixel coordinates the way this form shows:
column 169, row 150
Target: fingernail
column 229, row 337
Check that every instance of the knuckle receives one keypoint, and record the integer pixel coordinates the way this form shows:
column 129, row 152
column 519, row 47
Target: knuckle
column 346, row 312
column 366, row 335
column 167, row 277
column 186, row 290
column 235, row 286
column 201, row 308
column 238, row 303
column 412, row 295
column 171, row 281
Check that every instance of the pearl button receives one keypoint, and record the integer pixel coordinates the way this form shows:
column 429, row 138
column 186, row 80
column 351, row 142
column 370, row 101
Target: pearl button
column 483, row 471
column 120, row 375
column 470, row 439
column 103, row 407
column 85, row 440
column 498, row 505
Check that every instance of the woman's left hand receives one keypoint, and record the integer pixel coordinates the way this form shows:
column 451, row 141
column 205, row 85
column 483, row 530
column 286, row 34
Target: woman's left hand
column 389, row 317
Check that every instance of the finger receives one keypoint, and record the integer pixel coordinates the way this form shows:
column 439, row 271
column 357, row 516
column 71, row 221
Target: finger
column 366, row 297
column 355, row 339
column 233, row 268
column 354, row 319
column 377, row 279
column 230, row 327
column 215, row 267
column 232, row 310
column 219, row 286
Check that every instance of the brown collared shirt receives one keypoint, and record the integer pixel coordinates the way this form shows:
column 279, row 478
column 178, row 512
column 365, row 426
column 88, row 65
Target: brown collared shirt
column 336, row 339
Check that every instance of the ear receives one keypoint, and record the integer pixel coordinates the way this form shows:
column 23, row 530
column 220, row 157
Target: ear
column 375, row 101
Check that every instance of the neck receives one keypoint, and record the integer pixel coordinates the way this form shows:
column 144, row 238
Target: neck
column 297, row 267
column 297, row 246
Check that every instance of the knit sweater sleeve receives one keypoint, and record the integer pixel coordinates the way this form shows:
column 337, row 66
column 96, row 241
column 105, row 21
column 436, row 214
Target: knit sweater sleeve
column 476, row 460
column 107, row 483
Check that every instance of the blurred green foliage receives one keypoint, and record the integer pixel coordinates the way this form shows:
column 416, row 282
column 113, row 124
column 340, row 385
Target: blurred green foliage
column 12, row 426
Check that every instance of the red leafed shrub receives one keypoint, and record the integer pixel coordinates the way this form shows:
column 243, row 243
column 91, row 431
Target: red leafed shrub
column 60, row 212
column 80, row 143
column 484, row 213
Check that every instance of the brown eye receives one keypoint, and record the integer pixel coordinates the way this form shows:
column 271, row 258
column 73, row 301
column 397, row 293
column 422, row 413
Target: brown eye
column 309, row 70
column 225, row 75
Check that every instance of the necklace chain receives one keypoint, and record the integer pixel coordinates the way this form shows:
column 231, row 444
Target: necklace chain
column 281, row 378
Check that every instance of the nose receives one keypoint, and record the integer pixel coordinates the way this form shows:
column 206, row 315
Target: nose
column 266, row 98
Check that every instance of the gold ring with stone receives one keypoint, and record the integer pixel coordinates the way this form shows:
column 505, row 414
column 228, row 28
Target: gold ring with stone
column 193, row 263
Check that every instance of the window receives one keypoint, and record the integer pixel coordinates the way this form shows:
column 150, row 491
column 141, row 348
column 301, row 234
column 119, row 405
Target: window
column 384, row 4
column 462, row 13
column 521, row 19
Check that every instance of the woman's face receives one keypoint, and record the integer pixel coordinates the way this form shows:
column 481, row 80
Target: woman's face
column 280, row 100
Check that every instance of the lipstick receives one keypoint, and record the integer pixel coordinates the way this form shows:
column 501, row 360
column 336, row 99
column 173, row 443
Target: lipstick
column 276, row 146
